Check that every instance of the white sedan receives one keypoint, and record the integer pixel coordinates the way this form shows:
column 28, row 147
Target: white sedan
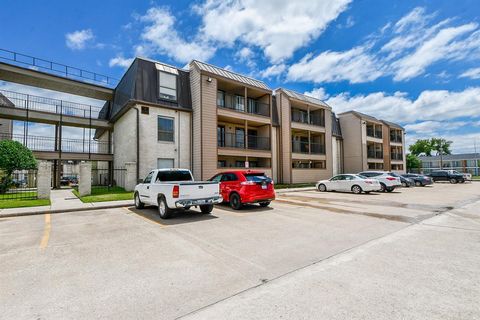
column 350, row 183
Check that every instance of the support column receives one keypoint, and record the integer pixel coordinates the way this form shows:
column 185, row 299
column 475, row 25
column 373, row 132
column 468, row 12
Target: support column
column 44, row 180
column 85, row 179
column 130, row 176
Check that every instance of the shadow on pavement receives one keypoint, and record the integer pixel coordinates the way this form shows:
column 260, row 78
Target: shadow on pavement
column 178, row 217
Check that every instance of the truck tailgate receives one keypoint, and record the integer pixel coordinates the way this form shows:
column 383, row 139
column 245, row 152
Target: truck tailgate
column 198, row 190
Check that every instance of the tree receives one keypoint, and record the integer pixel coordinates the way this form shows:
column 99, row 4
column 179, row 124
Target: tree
column 13, row 156
column 421, row 147
column 413, row 162
column 441, row 146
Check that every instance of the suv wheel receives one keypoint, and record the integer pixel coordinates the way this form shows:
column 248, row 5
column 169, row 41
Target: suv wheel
column 453, row 181
column 163, row 210
column 138, row 203
column 235, row 201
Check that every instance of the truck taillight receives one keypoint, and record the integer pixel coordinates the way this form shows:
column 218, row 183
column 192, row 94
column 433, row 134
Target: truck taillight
column 176, row 191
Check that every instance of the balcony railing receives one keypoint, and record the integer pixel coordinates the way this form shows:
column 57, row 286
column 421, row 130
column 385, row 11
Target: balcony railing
column 237, row 103
column 397, row 138
column 374, row 133
column 372, row 154
column 41, row 143
column 308, row 148
column 396, row 156
column 239, row 141
column 303, row 117
column 61, row 107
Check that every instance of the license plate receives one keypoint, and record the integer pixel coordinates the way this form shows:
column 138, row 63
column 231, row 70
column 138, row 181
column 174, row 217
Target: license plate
column 264, row 186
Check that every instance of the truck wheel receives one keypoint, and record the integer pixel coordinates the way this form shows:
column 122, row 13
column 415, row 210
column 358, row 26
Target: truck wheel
column 235, row 201
column 138, row 204
column 453, row 180
column 163, row 210
column 206, row 209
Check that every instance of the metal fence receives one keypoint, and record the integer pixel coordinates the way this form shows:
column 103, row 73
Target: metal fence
column 108, row 179
column 62, row 107
column 21, row 185
column 55, row 68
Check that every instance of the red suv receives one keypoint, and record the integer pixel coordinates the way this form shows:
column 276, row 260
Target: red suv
column 242, row 187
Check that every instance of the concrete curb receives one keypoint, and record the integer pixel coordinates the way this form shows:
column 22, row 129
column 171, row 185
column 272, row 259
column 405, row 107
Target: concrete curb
column 294, row 190
column 44, row 211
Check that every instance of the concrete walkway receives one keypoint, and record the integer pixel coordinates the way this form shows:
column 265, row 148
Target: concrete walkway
column 63, row 200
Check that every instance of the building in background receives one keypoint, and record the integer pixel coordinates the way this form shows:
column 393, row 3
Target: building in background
column 371, row 144
column 466, row 162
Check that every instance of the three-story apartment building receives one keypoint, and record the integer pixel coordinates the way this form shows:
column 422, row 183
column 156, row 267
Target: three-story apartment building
column 371, row 144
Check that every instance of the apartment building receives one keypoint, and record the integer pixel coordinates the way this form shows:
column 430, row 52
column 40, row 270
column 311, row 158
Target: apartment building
column 464, row 162
column 305, row 151
column 232, row 122
column 371, row 144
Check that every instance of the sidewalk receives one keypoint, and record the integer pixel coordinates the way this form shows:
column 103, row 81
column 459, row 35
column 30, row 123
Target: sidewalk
column 63, row 200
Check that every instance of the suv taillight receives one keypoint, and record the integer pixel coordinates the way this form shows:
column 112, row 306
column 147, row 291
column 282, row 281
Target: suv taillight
column 248, row 183
column 391, row 178
column 176, row 191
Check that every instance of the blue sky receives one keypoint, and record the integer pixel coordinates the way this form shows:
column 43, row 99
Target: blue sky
column 412, row 62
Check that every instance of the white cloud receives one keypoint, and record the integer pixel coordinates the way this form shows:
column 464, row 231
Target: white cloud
column 435, row 49
column 435, row 126
column 434, row 105
column 120, row 61
column 403, row 51
column 273, row 71
column 161, row 37
column 278, row 27
column 318, row 93
column 473, row 73
column 355, row 65
column 78, row 40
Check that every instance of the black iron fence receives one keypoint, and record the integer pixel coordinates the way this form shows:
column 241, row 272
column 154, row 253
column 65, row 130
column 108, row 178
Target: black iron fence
column 62, row 107
column 308, row 148
column 39, row 143
column 56, row 68
column 108, row 179
column 20, row 185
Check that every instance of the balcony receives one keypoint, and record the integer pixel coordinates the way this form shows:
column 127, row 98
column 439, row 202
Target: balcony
column 396, row 156
column 307, row 148
column 237, row 103
column 396, row 136
column 374, row 131
column 372, row 154
column 240, row 141
column 316, row 118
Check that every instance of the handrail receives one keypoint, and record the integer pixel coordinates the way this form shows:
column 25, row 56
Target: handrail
column 57, row 68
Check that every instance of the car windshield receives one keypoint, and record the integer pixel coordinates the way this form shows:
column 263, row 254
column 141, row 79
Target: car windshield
column 361, row 176
column 174, row 175
column 256, row 177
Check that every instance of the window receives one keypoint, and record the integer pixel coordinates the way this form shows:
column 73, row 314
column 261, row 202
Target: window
column 221, row 98
column 222, row 163
column 145, row 110
column 217, row 178
column 229, row 177
column 221, row 136
column 167, row 85
column 239, row 164
column 148, row 179
column 174, row 175
column 163, row 163
column 165, row 129
column 239, row 103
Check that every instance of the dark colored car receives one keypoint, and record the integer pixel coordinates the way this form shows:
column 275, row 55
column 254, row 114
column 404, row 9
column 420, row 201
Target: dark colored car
column 419, row 179
column 245, row 187
column 68, row 181
column 406, row 182
column 445, row 175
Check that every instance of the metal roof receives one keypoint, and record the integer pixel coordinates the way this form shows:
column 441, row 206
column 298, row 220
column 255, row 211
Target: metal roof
column 165, row 68
column 361, row 115
column 393, row 125
column 230, row 75
column 302, row 97
column 452, row 157
column 336, row 128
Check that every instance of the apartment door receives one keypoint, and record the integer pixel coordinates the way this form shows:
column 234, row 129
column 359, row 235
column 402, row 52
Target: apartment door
column 221, row 136
column 252, row 139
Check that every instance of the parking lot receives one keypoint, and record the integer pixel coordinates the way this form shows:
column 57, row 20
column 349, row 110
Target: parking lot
column 413, row 253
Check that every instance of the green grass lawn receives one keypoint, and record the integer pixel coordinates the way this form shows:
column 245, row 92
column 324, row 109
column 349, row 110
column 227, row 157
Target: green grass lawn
column 294, row 185
column 23, row 203
column 104, row 194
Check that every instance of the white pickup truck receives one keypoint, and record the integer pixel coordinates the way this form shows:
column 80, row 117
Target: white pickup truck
column 172, row 189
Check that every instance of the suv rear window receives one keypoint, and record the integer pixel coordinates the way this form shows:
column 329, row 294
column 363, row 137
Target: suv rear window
column 175, row 175
column 256, row 177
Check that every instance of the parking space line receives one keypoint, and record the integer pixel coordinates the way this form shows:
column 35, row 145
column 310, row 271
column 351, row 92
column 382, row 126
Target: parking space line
column 143, row 217
column 46, row 232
